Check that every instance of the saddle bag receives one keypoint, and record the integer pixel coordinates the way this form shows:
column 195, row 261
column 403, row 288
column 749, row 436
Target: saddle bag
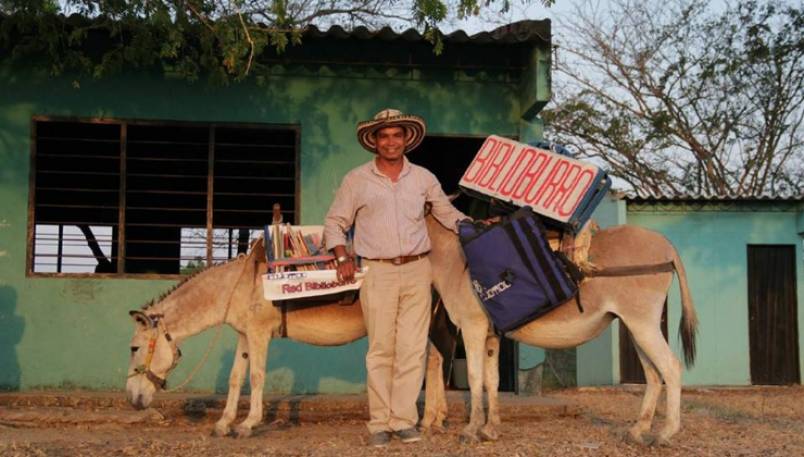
column 514, row 273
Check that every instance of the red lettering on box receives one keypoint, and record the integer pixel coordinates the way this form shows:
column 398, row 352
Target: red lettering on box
column 479, row 163
column 586, row 177
column 552, row 184
column 496, row 164
column 549, row 185
column 511, row 178
column 567, row 182
column 540, row 164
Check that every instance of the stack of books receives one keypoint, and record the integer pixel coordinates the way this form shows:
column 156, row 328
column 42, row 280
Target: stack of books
column 299, row 266
column 297, row 248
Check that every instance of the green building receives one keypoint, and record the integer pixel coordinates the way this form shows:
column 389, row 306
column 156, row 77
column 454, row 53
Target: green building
column 110, row 189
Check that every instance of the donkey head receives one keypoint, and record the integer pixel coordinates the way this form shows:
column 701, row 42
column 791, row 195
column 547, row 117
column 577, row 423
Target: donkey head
column 153, row 355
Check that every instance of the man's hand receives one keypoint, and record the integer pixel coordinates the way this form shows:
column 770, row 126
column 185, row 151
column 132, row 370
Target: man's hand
column 346, row 267
column 346, row 270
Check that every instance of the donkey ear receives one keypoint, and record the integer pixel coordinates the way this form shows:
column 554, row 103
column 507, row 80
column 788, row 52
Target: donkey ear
column 141, row 318
column 257, row 250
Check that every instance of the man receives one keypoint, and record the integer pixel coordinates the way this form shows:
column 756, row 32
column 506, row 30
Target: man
column 385, row 199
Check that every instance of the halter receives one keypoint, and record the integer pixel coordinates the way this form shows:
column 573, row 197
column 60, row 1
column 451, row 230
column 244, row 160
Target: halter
column 145, row 368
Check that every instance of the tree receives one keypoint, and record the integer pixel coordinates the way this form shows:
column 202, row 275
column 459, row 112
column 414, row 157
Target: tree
column 675, row 97
column 223, row 38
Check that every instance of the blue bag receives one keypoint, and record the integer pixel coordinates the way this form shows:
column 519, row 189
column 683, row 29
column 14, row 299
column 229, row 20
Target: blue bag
column 514, row 272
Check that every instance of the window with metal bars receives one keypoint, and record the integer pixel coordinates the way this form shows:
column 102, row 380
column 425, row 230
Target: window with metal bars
column 147, row 197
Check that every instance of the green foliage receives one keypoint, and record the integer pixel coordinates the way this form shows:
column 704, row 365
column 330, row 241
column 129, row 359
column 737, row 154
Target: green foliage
column 220, row 40
column 193, row 266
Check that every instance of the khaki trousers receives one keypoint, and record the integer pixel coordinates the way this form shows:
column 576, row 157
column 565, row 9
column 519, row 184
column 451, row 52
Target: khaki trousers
column 396, row 307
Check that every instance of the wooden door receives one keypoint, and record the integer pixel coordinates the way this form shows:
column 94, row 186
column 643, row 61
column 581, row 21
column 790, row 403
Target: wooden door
column 772, row 314
column 631, row 371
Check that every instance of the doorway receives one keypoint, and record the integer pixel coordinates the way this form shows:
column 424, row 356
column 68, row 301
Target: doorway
column 772, row 314
column 631, row 371
column 447, row 157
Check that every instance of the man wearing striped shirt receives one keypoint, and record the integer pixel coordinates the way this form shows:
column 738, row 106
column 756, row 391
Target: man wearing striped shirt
column 384, row 200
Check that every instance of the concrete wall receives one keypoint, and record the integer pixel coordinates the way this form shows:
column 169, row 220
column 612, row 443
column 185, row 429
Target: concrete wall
column 58, row 332
column 598, row 360
column 712, row 241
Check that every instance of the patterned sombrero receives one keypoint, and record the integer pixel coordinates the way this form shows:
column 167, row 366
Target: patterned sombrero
column 413, row 125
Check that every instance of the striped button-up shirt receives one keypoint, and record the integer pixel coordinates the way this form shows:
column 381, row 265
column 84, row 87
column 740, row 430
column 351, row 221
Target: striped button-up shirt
column 388, row 216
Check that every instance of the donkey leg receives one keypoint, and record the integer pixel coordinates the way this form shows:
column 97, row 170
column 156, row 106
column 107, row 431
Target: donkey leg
column 474, row 341
column 491, row 372
column 239, row 367
column 653, row 388
column 258, row 343
column 657, row 350
column 435, row 404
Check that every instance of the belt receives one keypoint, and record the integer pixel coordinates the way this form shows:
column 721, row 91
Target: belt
column 401, row 260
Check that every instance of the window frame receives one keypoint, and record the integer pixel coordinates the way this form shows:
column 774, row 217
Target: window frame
column 121, row 206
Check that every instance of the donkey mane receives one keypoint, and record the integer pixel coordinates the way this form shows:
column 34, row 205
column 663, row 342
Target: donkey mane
column 183, row 281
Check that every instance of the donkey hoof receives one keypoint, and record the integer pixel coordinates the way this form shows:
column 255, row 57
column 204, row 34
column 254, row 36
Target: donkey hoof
column 489, row 434
column 468, row 438
column 220, row 431
column 438, row 429
column 241, row 432
column 661, row 441
column 635, row 437
column 434, row 427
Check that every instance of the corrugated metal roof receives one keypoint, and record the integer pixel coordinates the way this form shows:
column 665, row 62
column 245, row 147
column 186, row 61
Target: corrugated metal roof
column 527, row 31
column 785, row 196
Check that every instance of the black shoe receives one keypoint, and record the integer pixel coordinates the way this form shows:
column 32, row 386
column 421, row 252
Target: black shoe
column 379, row 439
column 408, row 435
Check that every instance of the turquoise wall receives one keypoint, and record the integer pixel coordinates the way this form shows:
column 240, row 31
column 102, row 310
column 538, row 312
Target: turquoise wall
column 713, row 246
column 598, row 360
column 61, row 332
column 712, row 241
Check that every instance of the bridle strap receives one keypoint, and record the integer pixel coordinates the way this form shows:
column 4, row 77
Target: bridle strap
column 632, row 270
column 158, row 382
column 145, row 369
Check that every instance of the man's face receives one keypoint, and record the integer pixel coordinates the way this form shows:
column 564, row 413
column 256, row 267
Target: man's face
column 391, row 143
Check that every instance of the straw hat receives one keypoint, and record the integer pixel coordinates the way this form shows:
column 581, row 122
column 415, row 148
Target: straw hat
column 413, row 125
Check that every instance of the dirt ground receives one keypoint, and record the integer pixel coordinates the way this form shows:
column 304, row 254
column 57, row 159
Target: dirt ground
column 573, row 422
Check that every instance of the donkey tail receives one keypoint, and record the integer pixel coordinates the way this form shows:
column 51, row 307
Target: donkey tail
column 688, row 327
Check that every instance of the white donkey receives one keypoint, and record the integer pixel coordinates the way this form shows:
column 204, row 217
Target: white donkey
column 231, row 293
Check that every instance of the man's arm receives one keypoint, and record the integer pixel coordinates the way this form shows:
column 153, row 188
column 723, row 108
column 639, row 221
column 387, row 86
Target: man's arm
column 339, row 219
column 442, row 208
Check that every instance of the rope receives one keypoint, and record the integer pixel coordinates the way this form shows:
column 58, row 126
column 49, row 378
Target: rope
column 218, row 333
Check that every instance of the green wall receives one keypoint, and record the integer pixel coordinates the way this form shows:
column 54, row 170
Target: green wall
column 712, row 240
column 598, row 360
column 74, row 332
column 713, row 244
